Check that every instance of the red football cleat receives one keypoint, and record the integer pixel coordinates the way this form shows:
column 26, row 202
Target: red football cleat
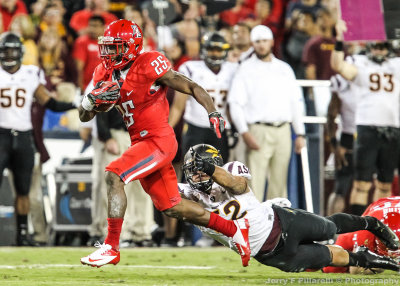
column 241, row 240
column 102, row 256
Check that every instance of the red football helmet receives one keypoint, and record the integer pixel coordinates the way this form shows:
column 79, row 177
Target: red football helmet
column 392, row 220
column 121, row 43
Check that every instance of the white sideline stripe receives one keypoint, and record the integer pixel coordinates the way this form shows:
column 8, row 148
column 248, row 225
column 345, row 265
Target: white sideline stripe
column 140, row 172
column 119, row 266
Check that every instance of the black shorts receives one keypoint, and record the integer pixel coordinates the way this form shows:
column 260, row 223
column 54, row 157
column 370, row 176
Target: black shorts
column 296, row 250
column 376, row 150
column 17, row 153
column 198, row 135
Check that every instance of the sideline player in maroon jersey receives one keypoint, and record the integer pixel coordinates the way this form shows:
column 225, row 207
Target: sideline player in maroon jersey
column 386, row 210
column 142, row 79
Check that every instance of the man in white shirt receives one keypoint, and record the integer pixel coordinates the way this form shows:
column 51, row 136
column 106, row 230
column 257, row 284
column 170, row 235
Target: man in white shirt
column 377, row 76
column 279, row 236
column 264, row 99
column 19, row 86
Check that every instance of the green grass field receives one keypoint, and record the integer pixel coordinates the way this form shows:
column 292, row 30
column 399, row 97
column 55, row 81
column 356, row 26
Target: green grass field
column 159, row 266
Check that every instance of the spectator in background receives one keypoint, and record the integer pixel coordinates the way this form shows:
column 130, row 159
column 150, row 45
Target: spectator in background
column 134, row 13
column 241, row 45
column 377, row 118
column 23, row 26
column 53, row 19
column 37, row 9
column 80, row 19
column 317, row 51
column 54, row 58
column 302, row 30
column 343, row 104
column 8, row 9
column 262, row 110
column 86, row 51
column 295, row 6
column 236, row 14
column 189, row 30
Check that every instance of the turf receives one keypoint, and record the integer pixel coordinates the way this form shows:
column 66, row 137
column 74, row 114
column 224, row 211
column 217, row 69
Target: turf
column 159, row 266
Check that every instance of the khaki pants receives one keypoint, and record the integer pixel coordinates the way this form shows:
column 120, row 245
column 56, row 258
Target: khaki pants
column 99, row 191
column 271, row 161
column 139, row 216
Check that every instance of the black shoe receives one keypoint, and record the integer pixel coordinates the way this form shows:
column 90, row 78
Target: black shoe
column 145, row 243
column 93, row 239
column 385, row 234
column 168, row 242
column 368, row 259
column 25, row 240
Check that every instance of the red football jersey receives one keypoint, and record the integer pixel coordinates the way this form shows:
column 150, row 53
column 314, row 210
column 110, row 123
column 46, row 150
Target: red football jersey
column 350, row 241
column 143, row 104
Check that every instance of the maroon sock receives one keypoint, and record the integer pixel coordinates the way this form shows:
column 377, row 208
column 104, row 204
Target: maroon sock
column 226, row 227
column 114, row 231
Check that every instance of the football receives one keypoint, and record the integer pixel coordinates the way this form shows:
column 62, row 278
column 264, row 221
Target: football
column 106, row 107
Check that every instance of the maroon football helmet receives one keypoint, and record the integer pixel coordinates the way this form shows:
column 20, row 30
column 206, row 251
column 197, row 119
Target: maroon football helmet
column 121, row 43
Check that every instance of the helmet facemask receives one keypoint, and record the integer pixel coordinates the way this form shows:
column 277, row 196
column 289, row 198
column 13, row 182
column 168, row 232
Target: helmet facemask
column 11, row 51
column 381, row 46
column 197, row 179
column 214, row 49
column 202, row 183
column 114, row 52
column 121, row 44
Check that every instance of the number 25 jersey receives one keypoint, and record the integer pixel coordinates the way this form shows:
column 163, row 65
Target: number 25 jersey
column 142, row 104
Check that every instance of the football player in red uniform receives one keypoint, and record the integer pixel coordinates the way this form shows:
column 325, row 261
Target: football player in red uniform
column 142, row 79
column 386, row 210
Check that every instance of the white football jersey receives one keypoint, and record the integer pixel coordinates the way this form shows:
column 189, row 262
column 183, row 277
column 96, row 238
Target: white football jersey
column 231, row 207
column 347, row 92
column 379, row 92
column 16, row 94
column 217, row 85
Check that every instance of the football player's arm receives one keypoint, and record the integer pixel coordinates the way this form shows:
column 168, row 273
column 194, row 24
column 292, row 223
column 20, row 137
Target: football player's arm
column 177, row 108
column 42, row 95
column 235, row 185
column 183, row 84
column 338, row 64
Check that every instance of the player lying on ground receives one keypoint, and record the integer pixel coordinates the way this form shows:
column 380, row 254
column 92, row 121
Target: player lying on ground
column 386, row 210
column 136, row 83
column 279, row 236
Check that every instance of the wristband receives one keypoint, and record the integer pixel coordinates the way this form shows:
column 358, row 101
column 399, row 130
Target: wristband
column 346, row 140
column 339, row 46
column 86, row 104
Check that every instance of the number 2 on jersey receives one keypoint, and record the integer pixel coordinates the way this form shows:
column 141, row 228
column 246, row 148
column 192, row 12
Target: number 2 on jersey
column 159, row 65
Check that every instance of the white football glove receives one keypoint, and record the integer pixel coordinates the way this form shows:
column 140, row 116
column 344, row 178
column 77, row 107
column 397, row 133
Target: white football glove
column 282, row 202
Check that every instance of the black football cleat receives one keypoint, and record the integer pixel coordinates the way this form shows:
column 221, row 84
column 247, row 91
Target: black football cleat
column 368, row 259
column 385, row 234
